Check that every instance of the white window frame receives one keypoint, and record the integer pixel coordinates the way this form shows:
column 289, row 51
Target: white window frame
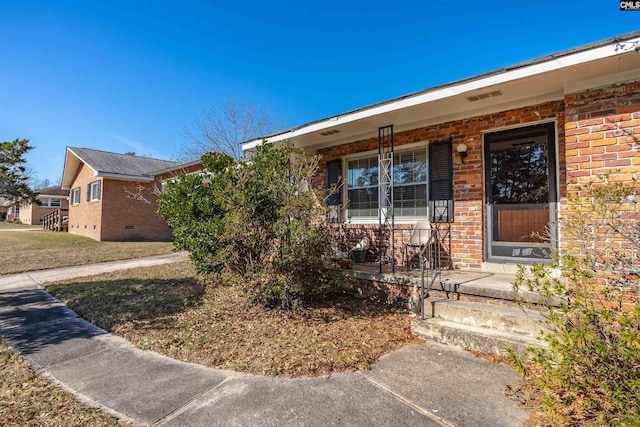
column 75, row 196
column 374, row 153
column 94, row 188
column 50, row 202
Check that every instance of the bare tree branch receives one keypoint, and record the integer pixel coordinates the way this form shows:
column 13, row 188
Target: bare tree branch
column 225, row 126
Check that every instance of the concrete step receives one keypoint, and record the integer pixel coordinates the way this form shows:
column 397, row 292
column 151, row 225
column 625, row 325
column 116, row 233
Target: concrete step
column 482, row 327
column 467, row 337
column 502, row 318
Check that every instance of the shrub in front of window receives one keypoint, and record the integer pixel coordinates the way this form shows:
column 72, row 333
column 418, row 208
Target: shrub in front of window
column 256, row 221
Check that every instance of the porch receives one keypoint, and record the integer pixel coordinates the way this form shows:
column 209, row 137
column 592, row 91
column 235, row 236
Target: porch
column 468, row 285
column 397, row 260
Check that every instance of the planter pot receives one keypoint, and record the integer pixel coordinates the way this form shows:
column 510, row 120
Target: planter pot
column 358, row 257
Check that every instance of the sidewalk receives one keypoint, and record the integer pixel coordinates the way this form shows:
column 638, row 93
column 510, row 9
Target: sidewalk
column 421, row 385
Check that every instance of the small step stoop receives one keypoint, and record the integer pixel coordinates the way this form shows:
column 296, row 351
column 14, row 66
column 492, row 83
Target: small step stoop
column 486, row 328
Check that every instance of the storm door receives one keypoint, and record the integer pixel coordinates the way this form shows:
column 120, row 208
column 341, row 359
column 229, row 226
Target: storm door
column 521, row 193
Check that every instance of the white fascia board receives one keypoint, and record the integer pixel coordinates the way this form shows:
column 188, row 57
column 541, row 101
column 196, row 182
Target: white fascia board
column 119, row 177
column 554, row 64
column 64, row 170
column 51, row 196
column 95, row 172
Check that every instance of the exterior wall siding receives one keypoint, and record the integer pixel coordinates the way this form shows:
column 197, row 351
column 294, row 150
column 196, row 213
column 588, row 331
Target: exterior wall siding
column 603, row 134
column 126, row 218
column 33, row 214
column 85, row 218
column 120, row 215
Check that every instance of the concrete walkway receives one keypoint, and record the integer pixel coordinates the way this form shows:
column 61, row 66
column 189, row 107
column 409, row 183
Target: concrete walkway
column 418, row 385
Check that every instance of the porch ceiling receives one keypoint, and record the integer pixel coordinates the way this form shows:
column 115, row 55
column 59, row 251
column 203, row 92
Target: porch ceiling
column 531, row 83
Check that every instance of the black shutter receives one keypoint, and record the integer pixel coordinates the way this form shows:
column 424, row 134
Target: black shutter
column 88, row 192
column 441, row 181
column 334, row 172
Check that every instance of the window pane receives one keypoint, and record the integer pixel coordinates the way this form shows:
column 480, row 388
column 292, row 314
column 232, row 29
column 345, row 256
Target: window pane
column 410, row 167
column 363, row 202
column 363, row 172
column 410, row 183
column 410, row 200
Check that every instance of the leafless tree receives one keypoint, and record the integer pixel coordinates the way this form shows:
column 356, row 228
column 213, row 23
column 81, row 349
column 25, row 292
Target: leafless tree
column 225, row 126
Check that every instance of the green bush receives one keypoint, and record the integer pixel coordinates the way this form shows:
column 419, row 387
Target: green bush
column 590, row 372
column 257, row 221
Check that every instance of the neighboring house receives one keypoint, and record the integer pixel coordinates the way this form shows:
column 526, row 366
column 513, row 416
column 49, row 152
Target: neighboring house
column 51, row 199
column 491, row 158
column 4, row 207
column 112, row 196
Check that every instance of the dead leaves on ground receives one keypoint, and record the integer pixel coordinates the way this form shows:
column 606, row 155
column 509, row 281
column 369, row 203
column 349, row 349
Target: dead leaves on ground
column 221, row 330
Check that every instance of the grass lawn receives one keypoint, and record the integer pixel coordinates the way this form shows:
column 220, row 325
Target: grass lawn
column 27, row 398
column 38, row 250
column 166, row 309
column 12, row 225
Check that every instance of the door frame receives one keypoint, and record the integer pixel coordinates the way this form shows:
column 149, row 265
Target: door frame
column 517, row 132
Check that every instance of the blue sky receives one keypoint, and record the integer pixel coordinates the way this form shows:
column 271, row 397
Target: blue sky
column 132, row 76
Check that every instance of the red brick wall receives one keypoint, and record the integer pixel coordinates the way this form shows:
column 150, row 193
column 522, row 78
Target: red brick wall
column 117, row 215
column 85, row 218
column 603, row 137
column 466, row 240
column 124, row 217
column 603, row 134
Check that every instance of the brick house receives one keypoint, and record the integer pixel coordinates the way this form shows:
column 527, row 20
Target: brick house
column 4, row 207
column 104, row 190
column 51, row 199
column 490, row 159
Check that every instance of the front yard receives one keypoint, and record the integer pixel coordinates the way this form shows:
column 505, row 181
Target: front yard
column 38, row 250
column 14, row 226
column 167, row 310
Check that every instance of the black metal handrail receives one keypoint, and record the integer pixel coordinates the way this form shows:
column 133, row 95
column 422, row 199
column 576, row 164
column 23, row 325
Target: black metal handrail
column 430, row 260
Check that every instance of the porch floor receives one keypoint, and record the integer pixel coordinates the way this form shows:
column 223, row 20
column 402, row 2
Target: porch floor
column 465, row 282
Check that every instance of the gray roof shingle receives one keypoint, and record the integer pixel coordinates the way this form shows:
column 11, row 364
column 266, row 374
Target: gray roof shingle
column 120, row 164
column 53, row 191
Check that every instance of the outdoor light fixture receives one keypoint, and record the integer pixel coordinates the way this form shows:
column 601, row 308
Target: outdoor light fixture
column 462, row 150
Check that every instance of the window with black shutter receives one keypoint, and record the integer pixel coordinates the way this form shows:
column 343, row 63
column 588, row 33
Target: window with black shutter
column 441, row 181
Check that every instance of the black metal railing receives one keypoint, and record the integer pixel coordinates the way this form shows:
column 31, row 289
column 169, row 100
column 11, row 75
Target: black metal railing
column 430, row 266
column 386, row 247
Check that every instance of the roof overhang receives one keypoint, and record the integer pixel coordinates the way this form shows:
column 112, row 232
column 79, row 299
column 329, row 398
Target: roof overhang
column 72, row 162
column 177, row 167
column 546, row 79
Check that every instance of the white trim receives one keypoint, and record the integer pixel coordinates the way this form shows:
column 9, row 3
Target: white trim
column 95, row 184
column 95, row 172
column 413, row 146
column 71, row 196
column 126, row 177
